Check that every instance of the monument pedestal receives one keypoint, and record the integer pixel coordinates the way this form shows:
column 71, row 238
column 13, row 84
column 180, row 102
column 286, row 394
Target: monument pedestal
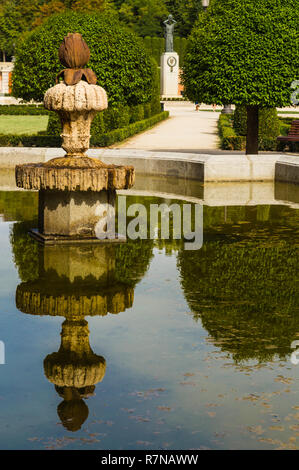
column 170, row 75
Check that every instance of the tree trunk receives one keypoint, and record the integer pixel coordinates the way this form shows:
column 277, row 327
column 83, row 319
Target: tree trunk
column 252, row 141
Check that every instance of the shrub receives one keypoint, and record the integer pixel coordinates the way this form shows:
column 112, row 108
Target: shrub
column 229, row 140
column 7, row 140
column 269, row 126
column 136, row 114
column 23, row 110
column 54, row 125
column 118, row 57
column 156, row 46
column 118, row 135
column 111, row 118
column 98, row 140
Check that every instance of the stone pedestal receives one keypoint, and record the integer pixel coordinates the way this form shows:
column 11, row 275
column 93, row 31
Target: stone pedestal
column 76, row 198
column 76, row 214
column 170, row 75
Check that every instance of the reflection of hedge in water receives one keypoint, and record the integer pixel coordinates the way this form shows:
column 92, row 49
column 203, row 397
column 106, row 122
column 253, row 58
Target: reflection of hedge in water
column 273, row 215
column 132, row 259
column 245, row 295
column 25, row 251
column 18, row 205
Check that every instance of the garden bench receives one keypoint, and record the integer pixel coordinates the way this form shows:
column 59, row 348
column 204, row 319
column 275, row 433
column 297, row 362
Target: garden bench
column 293, row 135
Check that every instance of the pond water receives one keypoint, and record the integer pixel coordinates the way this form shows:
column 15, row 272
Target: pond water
column 175, row 349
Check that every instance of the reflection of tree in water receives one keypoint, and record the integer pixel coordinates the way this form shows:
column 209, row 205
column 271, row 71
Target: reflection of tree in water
column 73, row 282
column 242, row 284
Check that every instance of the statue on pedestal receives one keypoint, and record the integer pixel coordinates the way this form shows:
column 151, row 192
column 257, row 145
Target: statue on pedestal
column 169, row 25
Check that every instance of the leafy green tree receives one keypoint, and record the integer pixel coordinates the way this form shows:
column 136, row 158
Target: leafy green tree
column 15, row 19
column 185, row 13
column 118, row 57
column 244, row 52
column 48, row 8
column 144, row 16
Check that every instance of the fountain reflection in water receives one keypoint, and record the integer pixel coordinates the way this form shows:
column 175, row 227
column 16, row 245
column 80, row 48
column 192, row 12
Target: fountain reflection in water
column 74, row 283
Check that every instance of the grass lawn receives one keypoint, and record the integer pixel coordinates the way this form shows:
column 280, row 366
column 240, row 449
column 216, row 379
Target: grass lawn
column 22, row 124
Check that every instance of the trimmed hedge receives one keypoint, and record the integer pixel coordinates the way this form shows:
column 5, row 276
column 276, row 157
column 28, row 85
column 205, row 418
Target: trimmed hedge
column 9, row 140
column 118, row 135
column 23, row 110
column 156, row 47
column 233, row 129
column 228, row 136
column 99, row 140
column 269, row 126
column 112, row 118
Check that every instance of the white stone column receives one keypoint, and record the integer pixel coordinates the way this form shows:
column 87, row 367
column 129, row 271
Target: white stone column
column 170, row 75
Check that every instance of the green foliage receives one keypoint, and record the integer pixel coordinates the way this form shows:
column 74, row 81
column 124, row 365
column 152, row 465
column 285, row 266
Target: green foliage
column 118, row 57
column 137, row 114
column 269, row 128
column 23, row 110
column 285, row 125
column 240, row 120
column 54, row 125
column 105, row 140
column 132, row 260
column 232, row 130
column 25, row 251
column 241, row 283
column 156, row 46
column 97, row 140
column 244, row 52
column 186, row 14
column 15, row 19
column 19, row 205
column 229, row 140
column 10, row 140
column 144, row 16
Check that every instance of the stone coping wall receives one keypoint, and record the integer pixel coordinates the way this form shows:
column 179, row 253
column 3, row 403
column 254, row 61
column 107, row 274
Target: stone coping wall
column 200, row 167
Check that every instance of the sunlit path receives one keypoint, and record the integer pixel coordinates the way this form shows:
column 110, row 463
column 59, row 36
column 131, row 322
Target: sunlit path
column 186, row 129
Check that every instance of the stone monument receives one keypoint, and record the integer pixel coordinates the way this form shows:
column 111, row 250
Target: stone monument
column 169, row 63
column 76, row 193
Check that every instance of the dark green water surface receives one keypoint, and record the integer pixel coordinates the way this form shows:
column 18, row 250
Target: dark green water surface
column 146, row 345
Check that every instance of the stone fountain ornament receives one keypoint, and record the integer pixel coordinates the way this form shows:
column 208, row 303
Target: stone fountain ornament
column 77, row 194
